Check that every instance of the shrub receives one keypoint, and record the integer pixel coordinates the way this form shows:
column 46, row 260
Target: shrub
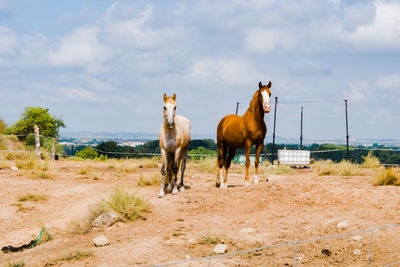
column 129, row 206
column 32, row 197
column 83, row 225
column 15, row 264
column 3, row 126
column 76, row 255
column 87, row 153
column 386, row 177
column 281, row 169
column 325, row 167
column 149, row 181
column 346, row 168
column 209, row 239
column 370, row 161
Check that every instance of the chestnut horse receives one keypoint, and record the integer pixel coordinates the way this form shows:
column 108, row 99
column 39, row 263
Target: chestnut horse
column 174, row 138
column 243, row 132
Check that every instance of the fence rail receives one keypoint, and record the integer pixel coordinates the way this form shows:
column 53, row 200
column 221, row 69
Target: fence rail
column 371, row 230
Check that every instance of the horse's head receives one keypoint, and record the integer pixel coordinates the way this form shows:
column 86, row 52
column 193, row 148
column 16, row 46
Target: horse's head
column 169, row 110
column 264, row 95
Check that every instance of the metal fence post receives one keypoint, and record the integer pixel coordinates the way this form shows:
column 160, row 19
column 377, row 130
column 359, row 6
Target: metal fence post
column 347, row 130
column 273, row 134
column 37, row 141
column 301, row 129
column 237, row 107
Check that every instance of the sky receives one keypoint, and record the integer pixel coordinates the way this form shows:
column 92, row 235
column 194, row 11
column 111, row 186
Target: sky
column 104, row 65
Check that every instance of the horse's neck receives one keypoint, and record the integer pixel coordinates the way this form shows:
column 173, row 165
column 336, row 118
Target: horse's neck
column 255, row 111
column 169, row 133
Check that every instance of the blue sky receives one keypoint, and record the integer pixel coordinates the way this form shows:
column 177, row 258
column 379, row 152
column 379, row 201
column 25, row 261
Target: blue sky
column 104, row 65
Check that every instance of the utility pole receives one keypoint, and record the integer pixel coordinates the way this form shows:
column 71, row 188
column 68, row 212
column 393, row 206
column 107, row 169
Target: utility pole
column 237, row 107
column 347, row 130
column 301, row 130
column 273, row 134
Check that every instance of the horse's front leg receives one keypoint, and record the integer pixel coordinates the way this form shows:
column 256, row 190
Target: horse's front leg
column 247, row 149
column 175, row 169
column 163, row 172
column 257, row 161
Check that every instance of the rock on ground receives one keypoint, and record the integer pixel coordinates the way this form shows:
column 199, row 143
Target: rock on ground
column 357, row 251
column 106, row 219
column 247, row 230
column 101, row 241
column 343, row 225
column 220, row 248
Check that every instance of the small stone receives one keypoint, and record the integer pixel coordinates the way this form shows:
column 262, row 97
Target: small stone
column 357, row 251
column 101, row 241
column 220, row 248
column 357, row 238
column 105, row 220
column 247, row 230
column 343, row 225
column 187, row 257
column 13, row 168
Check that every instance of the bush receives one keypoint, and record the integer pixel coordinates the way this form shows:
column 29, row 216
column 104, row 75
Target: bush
column 386, row 177
column 129, row 206
column 87, row 153
column 149, row 181
column 3, row 126
column 370, row 161
column 346, row 168
column 325, row 167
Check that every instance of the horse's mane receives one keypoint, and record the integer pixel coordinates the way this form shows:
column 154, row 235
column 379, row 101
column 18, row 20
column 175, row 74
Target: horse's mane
column 253, row 104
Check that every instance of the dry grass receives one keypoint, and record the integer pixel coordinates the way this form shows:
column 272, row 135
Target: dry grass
column 207, row 165
column 370, row 161
column 123, row 168
column 148, row 163
column 83, row 225
column 386, row 177
column 128, row 205
column 15, row 264
column 346, row 168
column 153, row 180
column 32, row 197
column 325, row 167
column 280, row 170
column 209, row 239
column 76, row 255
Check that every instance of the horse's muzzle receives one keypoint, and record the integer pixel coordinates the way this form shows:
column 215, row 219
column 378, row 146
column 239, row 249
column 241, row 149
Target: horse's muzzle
column 267, row 109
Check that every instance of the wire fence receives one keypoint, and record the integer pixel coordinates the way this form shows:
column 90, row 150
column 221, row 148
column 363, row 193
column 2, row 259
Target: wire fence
column 294, row 243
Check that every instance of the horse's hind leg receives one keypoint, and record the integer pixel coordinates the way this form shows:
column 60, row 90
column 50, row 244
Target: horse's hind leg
column 175, row 169
column 170, row 164
column 163, row 172
column 231, row 155
column 183, row 168
column 222, row 150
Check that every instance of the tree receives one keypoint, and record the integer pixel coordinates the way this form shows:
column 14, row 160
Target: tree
column 87, row 153
column 48, row 125
column 3, row 126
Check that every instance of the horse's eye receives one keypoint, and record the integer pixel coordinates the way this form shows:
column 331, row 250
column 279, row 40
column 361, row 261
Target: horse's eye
column 174, row 108
column 165, row 108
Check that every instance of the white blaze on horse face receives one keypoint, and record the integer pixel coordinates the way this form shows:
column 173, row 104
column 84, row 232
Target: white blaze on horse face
column 266, row 101
column 169, row 114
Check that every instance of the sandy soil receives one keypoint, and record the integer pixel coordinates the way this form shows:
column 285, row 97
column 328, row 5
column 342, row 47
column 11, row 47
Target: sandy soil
column 286, row 208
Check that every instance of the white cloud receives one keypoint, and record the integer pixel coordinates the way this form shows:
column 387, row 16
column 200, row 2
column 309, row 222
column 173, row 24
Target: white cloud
column 8, row 40
column 223, row 71
column 81, row 48
column 384, row 33
column 359, row 92
column 391, row 81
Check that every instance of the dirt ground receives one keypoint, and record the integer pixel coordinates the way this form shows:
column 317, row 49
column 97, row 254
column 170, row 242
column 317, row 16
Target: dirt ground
column 286, row 208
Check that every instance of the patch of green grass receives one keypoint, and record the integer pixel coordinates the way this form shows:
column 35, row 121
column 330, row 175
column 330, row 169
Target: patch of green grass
column 153, row 180
column 386, row 177
column 209, row 239
column 76, row 255
column 32, row 197
column 128, row 205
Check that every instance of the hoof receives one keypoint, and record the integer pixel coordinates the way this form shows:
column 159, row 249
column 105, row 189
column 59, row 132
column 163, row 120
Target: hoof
column 256, row 180
column 217, row 185
column 223, row 186
column 247, row 184
column 182, row 189
column 175, row 191
column 161, row 194
column 169, row 188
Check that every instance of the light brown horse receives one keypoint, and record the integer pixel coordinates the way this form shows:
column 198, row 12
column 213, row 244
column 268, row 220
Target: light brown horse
column 243, row 132
column 174, row 136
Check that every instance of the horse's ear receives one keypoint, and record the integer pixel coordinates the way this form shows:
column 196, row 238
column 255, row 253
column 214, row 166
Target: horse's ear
column 174, row 97
column 165, row 97
column 259, row 85
column 269, row 84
